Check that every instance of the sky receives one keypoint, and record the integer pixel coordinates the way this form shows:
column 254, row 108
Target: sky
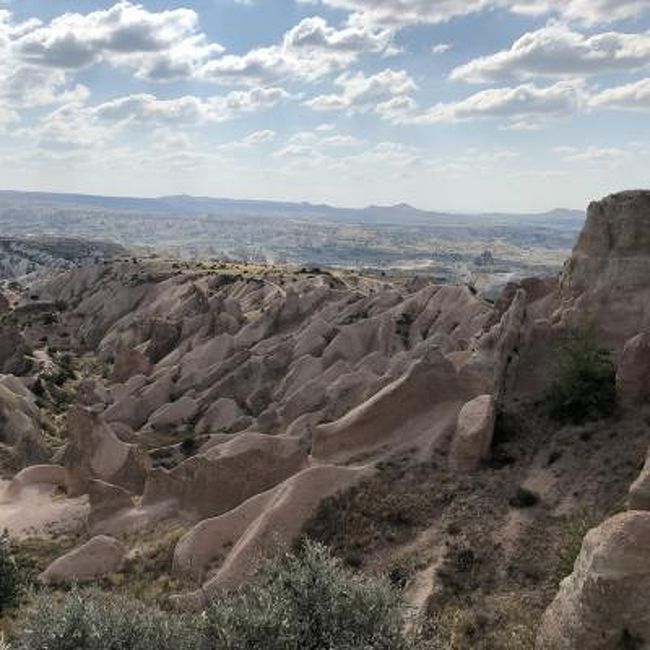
column 481, row 105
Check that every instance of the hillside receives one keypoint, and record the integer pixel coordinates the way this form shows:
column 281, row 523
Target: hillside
column 166, row 424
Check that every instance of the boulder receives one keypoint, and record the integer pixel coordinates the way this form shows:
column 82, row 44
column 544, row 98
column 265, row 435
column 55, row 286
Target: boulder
column 639, row 496
column 129, row 363
column 633, row 374
column 225, row 475
column 95, row 452
column 604, row 603
column 162, row 339
column 474, row 431
column 98, row 557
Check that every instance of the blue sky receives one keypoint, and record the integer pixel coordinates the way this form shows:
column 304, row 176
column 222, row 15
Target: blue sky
column 446, row 104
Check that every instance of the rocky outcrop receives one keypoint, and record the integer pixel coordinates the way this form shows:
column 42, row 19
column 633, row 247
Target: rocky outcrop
column 604, row 603
column 265, row 524
column 474, row 431
column 606, row 279
column 98, row 557
column 225, row 475
column 95, row 452
column 401, row 412
column 21, row 430
column 633, row 374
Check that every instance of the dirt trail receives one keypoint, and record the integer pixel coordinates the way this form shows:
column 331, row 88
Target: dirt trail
column 37, row 512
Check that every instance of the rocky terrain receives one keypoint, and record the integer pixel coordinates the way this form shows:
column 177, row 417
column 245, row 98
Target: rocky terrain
column 166, row 424
column 485, row 250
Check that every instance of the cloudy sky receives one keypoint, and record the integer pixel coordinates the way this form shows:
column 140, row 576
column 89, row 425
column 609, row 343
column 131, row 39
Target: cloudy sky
column 445, row 104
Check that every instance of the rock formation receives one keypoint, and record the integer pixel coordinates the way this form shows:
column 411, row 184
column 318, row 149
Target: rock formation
column 603, row 602
column 98, row 557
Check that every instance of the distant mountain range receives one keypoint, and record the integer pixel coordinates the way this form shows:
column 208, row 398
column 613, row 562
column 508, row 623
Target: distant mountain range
column 184, row 205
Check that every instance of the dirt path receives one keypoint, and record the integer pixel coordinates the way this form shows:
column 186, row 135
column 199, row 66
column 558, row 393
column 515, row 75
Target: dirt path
column 38, row 512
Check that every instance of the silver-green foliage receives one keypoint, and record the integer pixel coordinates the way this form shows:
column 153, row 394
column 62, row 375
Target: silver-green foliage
column 90, row 620
column 307, row 601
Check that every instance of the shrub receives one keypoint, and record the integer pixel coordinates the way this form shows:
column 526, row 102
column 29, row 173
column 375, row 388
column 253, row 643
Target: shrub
column 584, row 383
column 307, row 601
column 10, row 578
column 523, row 498
column 95, row 621
column 303, row 601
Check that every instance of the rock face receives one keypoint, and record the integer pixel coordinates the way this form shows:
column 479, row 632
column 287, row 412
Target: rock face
column 98, row 557
column 474, row 432
column 633, row 375
column 608, row 272
column 400, row 412
column 604, row 602
column 95, row 452
column 264, row 524
column 225, row 475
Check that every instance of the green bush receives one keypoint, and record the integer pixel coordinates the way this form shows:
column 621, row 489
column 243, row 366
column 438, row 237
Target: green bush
column 308, row 601
column 86, row 620
column 584, row 382
column 10, row 574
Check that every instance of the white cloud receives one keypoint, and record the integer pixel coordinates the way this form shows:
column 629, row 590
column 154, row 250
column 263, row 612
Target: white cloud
column 78, row 125
column 558, row 51
column 592, row 154
column 441, row 48
column 361, row 93
column 629, row 97
column 526, row 104
column 399, row 13
column 157, row 45
column 309, row 51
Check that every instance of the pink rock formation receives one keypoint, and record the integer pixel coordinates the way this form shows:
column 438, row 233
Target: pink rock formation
column 95, row 452
column 225, row 475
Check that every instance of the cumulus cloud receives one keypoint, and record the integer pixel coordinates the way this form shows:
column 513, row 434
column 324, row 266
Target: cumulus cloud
column 399, row 13
column 628, row 97
column 361, row 93
column 78, row 125
column 308, row 51
column 157, row 45
column 524, row 106
column 558, row 51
